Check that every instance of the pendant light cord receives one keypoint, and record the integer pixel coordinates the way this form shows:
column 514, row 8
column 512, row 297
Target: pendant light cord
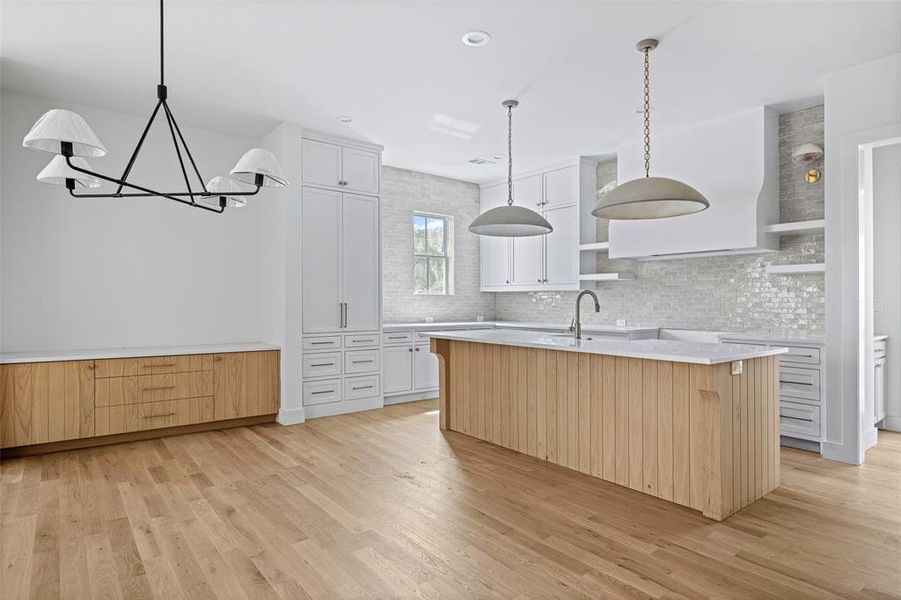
column 510, row 156
column 647, row 113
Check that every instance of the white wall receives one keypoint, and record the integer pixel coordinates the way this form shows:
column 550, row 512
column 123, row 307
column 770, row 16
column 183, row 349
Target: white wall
column 99, row 273
column 887, row 268
column 862, row 106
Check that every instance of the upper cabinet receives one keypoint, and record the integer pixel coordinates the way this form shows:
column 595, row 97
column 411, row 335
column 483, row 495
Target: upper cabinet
column 347, row 168
column 560, row 193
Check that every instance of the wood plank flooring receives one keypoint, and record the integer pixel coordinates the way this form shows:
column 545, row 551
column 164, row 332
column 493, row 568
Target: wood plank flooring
column 383, row 505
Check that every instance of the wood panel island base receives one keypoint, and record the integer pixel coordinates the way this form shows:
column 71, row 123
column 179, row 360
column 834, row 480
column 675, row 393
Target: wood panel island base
column 687, row 432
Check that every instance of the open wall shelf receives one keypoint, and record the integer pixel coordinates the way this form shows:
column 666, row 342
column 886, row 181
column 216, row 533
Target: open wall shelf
column 796, row 269
column 796, row 227
column 606, row 276
column 595, row 247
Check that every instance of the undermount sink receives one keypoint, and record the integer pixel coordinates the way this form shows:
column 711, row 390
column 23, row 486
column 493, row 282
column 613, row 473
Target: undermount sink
column 570, row 336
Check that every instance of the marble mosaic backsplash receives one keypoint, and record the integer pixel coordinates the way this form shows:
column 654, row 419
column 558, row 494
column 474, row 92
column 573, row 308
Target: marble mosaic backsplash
column 714, row 293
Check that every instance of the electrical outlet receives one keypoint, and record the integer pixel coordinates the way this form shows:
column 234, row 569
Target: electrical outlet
column 480, row 318
column 621, row 323
column 738, row 366
column 430, row 319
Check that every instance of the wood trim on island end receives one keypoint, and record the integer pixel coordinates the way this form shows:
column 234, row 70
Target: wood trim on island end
column 132, row 436
column 691, row 434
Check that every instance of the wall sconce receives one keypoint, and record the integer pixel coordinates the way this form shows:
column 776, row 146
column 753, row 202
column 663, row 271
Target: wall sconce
column 808, row 154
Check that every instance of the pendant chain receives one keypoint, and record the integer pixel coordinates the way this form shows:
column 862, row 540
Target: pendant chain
column 509, row 156
column 647, row 113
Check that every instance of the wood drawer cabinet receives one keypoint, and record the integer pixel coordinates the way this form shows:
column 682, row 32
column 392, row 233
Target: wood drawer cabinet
column 46, row 402
column 49, row 402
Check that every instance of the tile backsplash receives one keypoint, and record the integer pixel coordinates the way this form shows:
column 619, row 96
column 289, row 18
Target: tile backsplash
column 719, row 292
column 404, row 192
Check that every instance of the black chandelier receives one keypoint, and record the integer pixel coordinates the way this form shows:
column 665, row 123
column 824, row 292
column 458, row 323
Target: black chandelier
column 67, row 134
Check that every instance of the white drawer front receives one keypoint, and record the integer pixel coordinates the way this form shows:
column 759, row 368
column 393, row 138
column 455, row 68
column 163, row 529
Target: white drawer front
column 321, row 392
column 800, row 354
column 331, row 342
column 798, row 382
column 321, row 365
column 362, row 387
column 362, row 340
column 420, row 338
column 361, row 361
column 399, row 337
column 799, row 420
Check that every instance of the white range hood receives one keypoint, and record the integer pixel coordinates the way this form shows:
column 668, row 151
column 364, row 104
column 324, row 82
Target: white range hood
column 734, row 162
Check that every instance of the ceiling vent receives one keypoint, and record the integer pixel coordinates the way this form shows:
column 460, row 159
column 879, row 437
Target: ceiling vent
column 481, row 161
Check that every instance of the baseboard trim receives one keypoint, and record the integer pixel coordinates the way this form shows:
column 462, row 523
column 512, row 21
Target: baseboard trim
column 131, row 436
column 340, row 408
column 839, row 453
column 412, row 397
column 291, row 416
column 892, row 423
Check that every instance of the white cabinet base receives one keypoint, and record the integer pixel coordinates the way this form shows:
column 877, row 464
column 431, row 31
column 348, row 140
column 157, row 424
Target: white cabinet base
column 340, row 408
column 411, row 397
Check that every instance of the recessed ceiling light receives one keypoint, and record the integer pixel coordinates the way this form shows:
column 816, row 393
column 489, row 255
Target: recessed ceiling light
column 344, row 119
column 476, row 38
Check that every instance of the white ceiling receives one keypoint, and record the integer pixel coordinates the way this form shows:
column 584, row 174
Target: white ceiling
column 401, row 71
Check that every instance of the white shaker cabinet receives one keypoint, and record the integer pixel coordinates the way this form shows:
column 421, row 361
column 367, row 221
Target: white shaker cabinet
column 360, row 262
column 425, row 368
column 321, row 260
column 340, row 262
column 331, row 165
column 397, row 368
column 561, row 255
column 495, row 251
column 561, row 187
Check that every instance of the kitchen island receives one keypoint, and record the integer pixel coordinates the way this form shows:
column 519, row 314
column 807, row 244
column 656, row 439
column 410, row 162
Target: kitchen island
column 696, row 424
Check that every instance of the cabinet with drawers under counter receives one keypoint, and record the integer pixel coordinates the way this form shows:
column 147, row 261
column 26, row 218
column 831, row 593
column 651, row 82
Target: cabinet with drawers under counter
column 56, row 401
column 341, row 373
column 802, row 376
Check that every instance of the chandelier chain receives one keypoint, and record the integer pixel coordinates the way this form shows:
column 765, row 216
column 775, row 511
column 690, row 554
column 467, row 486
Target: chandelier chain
column 647, row 113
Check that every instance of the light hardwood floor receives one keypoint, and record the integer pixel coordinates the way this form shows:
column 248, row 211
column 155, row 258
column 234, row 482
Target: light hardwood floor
column 383, row 505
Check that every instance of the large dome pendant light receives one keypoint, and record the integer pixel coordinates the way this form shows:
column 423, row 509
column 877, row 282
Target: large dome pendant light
column 649, row 197
column 510, row 220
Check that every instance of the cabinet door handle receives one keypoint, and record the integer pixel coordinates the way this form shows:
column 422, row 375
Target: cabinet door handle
column 345, row 315
column 362, row 362
column 363, row 387
column 169, row 414
column 329, row 343
column 157, row 366
column 410, row 350
column 331, row 364
column 323, row 392
column 162, row 387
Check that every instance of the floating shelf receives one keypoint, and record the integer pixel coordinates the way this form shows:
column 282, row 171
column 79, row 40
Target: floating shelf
column 606, row 276
column 594, row 247
column 796, row 227
column 796, row 269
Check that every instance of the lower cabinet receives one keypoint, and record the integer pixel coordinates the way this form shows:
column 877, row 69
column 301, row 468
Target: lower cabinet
column 879, row 390
column 47, row 402
column 398, row 368
column 425, row 368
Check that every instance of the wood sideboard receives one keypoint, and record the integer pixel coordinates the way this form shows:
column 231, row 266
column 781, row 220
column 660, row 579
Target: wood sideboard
column 47, row 406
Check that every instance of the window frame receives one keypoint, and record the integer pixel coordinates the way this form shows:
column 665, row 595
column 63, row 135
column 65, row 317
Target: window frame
column 444, row 256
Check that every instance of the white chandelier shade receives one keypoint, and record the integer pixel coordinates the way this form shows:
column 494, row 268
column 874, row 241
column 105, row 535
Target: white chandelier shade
column 58, row 171
column 220, row 187
column 258, row 161
column 57, row 126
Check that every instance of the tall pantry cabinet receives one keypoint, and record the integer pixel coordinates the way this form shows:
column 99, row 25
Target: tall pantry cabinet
column 341, row 276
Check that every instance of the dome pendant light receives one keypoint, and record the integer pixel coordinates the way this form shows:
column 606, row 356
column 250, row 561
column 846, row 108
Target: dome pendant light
column 510, row 220
column 649, row 197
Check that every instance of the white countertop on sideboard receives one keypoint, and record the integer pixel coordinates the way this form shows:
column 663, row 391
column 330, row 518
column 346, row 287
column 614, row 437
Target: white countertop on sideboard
column 667, row 350
column 101, row 353
column 776, row 337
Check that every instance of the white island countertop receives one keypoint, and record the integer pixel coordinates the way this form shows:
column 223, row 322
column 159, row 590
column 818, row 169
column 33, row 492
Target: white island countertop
column 453, row 325
column 669, row 350
column 102, row 353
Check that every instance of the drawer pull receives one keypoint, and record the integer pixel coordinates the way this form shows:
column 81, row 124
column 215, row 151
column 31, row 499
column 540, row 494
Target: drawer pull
column 329, row 343
column 363, row 387
column 359, row 362
column 397, row 337
column 323, row 392
column 157, row 366
column 169, row 414
column 796, row 419
column 331, row 364
column 162, row 387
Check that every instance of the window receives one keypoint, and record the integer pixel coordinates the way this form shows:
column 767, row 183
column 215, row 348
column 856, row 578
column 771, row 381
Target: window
column 432, row 257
